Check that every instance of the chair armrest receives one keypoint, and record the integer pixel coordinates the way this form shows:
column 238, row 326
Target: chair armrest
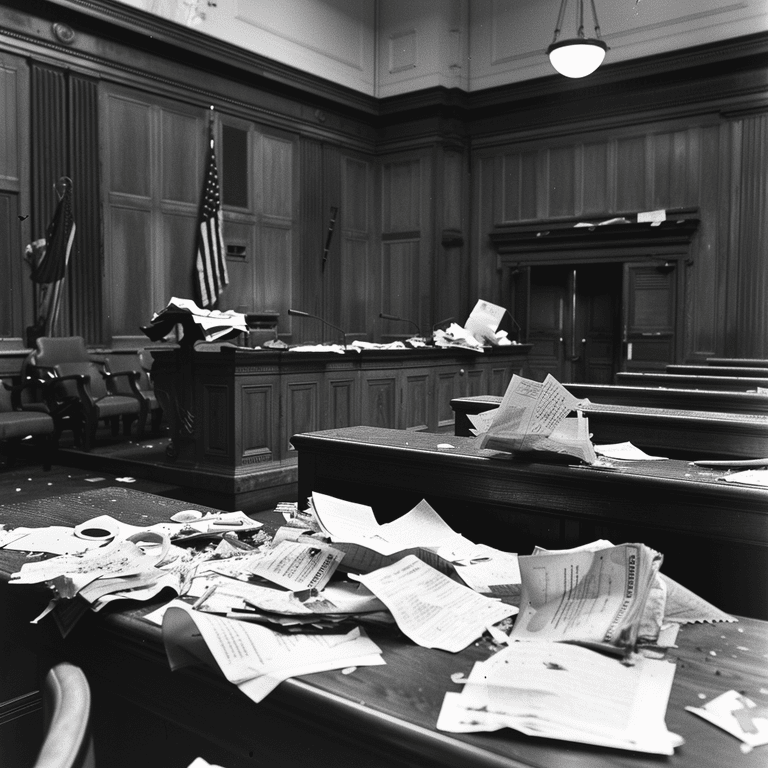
column 113, row 382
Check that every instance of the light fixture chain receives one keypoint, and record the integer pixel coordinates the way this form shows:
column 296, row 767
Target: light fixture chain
column 594, row 18
column 560, row 16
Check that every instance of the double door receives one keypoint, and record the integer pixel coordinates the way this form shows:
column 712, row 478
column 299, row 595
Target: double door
column 588, row 321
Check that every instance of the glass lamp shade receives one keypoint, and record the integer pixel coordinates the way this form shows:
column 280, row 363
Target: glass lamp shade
column 578, row 57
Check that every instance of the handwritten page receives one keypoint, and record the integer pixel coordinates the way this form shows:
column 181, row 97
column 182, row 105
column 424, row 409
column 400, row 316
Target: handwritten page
column 561, row 691
column 532, row 416
column 432, row 609
column 253, row 657
column 596, row 598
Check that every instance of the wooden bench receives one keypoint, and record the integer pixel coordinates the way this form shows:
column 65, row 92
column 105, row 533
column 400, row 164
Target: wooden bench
column 680, row 381
column 713, row 534
column 747, row 362
column 719, row 370
column 671, row 433
column 676, row 399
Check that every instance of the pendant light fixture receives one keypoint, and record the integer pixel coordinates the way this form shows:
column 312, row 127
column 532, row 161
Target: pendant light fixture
column 577, row 56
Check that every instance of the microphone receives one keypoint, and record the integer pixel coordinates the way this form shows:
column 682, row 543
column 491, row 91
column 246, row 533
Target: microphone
column 300, row 313
column 442, row 322
column 386, row 316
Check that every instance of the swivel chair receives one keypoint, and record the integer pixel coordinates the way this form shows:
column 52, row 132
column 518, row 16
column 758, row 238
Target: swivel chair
column 67, row 741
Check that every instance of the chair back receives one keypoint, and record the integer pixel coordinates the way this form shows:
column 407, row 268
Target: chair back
column 53, row 350
column 67, row 740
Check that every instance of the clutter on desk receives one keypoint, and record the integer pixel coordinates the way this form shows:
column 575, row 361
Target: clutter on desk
column 261, row 607
column 479, row 330
column 198, row 324
column 533, row 419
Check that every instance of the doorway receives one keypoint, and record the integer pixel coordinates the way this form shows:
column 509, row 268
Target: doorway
column 575, row 322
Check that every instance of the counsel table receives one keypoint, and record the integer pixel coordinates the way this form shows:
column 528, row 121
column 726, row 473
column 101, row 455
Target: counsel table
column 707, row 529
column 376, row 716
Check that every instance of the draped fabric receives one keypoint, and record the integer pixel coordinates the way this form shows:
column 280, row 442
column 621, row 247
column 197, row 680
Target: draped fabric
column 49, row 258
column 212, row 276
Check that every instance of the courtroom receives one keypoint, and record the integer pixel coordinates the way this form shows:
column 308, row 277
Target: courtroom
column 383, row 383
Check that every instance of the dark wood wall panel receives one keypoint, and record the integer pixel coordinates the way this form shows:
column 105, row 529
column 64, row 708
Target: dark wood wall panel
column 85, row 272
column 49, row 131
column 752, row 306
column 309, row 290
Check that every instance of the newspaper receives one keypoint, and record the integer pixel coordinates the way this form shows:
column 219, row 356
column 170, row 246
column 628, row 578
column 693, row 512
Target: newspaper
column 595, row 598
column 533, row 417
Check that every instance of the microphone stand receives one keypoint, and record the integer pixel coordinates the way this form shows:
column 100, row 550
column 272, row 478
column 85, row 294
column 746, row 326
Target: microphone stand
column 385, row 316
column 300, row 313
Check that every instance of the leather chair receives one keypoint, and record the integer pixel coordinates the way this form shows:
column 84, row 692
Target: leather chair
column 17, row 424
column 67, row 740
column 141, row 362
column 81, row 377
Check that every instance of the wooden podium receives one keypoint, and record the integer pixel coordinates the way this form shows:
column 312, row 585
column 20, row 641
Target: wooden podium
column 233, row 410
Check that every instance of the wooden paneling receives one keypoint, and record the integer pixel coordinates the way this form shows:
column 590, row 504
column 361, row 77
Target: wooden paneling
column 415, row 390
column 258, row 422
column 400, row 278
column 84, row 295
column 630, row 174
column 217, row 421
column 180, row 168
column 301, row 407
column 562, row 172
column 128, row 278
column 130, row 146
column 401, row 197
column 752, row 312
column 178, row 230
column 380, row 399
column 595, row 178
column 10, row 124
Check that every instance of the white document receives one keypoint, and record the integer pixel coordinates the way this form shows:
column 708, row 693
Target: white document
column 626, row 452
column 54, row 539
column 432, row 609
column 757, row 477
column 562, row 691
column 484, row 320
column 532, row 416
column 295, row 564
column 595, row 598
column 368, row 545
column 738, row 715
column 120, row 558
column 491, row 571
column 255, row 658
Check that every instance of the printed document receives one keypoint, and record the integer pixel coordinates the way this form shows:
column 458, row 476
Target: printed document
column 432, row 609
column 591, row 597
column 532, row 416
column 253, row 657
column 562, row 691
column 368, row 545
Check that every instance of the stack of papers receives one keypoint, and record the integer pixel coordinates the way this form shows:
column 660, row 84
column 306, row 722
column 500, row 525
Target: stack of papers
column 532, row 418
column 211, row 324
column 592, row 597
column 254, row 658
column 561, row 691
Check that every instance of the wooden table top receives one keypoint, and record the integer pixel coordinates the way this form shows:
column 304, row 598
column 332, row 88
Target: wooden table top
column 384, row 715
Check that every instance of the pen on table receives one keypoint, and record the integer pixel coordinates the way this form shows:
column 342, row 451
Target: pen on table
column 225, row 522
column 200, row 600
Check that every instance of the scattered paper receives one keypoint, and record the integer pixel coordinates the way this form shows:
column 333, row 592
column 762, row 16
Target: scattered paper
column 757, row 477
column 483, row 323
column 532, row 417
column 561, row 691
column 367, row 545
column 738, row 715
column 255, row 658
column 626, row 452
column 430, row 608
column 293, row 564
column 593, row 598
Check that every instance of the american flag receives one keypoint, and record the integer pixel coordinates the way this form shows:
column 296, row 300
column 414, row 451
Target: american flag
column 212, row 274
column 49, row 259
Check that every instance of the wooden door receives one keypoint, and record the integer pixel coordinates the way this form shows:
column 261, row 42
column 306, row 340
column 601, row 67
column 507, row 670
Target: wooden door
column 650, row 316
column 574, row 322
